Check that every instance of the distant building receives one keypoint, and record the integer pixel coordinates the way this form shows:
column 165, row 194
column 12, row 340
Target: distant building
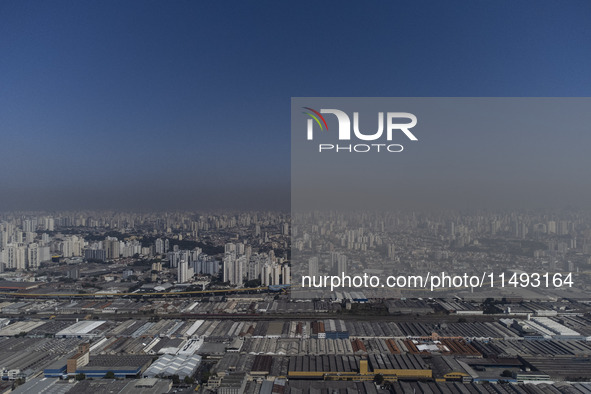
column 234, row 267
column 79, row 360
column 184, row 273
column 14, row 256
column 95, row 254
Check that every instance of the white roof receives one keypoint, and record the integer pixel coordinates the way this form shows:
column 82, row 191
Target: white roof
column 81, row 328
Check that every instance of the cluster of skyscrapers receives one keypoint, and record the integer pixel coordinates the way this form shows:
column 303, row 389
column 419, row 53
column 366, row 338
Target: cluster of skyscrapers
column 240, row 263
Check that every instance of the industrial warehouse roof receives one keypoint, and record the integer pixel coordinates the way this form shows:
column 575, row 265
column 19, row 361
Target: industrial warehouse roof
column 119, row 361
column 18, row 327
column 43, row 385
column 167, row 365
column 396, row 361
column 10, row 285
column 446, row 364
column 80, row 328
column 561, row 368
column 120, row 365
column 323, row 364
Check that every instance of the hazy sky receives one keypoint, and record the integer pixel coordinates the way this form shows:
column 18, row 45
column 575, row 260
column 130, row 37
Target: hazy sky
column 186, row 104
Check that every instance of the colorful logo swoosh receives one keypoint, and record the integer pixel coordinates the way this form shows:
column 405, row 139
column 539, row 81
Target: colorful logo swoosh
column 315, row 115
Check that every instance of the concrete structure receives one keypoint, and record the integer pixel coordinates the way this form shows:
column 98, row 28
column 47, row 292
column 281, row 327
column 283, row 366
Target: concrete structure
column 168, row 365
column 392, row 367
column 81, row 329
column 80, row 359
column 122, row 366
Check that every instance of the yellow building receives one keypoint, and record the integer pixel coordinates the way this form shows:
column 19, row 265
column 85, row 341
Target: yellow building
column 391, row 366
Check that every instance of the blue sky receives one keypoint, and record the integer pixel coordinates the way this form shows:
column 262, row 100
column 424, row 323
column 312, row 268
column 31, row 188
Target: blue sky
column 186, row 104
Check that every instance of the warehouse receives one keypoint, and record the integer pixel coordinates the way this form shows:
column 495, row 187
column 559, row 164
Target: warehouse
column 274, row 329
column 354, row 368
column 558, row 331
column 50, row 327
column 190, row 346
column 22, row 363
column 19, row 327
column 233, row 362
column 406, row 307
column 122, row 366
column 233, row 383
column 261, row 366
column 555, row 348
column 560, row 369
column 194, row 327
column 168, row 365
column 56, row 369
column 335, row 329
column 6, row 285
column 446, row 368
column 403, row 366
column 82, row 329
column 315, row 367
column 459, row 307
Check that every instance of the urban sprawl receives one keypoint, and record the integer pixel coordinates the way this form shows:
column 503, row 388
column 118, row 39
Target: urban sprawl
column 157, row 302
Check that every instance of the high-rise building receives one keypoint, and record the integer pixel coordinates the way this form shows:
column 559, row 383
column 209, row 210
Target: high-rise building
column 207, row 265
column 14, row 256
column 275, row 274
column 240, row 268
column 552, row 227
column 229, row 248
column 28, row 226
column 112, row 247
column 229, row 266
column 95, row 254
column 234, row 268
column 266, row 274
column 33, row 256
column 184, row 273
column 286, row 274
column 159, row 246
column 173, row 259
column 3, row 239
column 342, row 264
column 255, row 264
column 48, row 223
column 313, row 266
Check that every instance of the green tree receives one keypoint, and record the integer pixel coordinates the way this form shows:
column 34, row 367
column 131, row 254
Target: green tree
column 110, row 375
column 378, row 379
column 252, row 283
column 18, row 382
column 80, row 376
column 507, row 374
column 205, row 376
